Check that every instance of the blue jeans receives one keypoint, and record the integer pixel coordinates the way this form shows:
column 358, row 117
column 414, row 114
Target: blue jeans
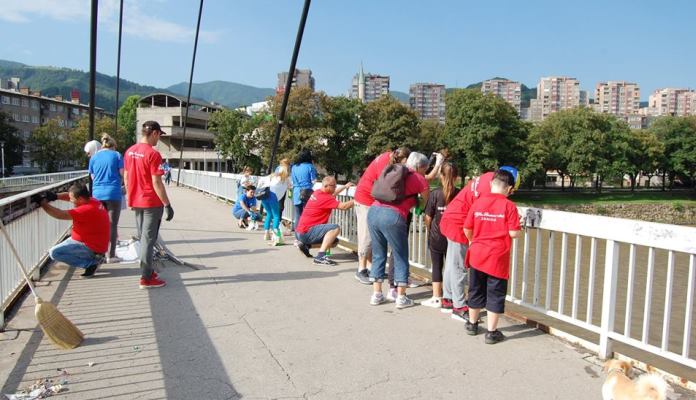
column 244, row 214
column 298, row 213
column 315, row 234
column 388, row 229
column 73, row 253
column 272, row 214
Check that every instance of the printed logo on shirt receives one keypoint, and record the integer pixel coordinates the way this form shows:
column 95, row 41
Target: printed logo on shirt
column 486, row 216
column 136, row 154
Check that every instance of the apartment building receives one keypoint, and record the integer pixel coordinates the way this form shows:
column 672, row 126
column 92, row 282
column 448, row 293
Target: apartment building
column 302, row 78
column 28, row 109
column 428, row 100
column 556, row 93
column 672, row 101
column 619, row 98
column 506, row 89
column 369, row 87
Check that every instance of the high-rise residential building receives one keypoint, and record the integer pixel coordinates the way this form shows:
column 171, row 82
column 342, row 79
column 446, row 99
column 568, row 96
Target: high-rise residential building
column 369, row 87
column 619, row 98
column 428, row 100
column 556, row 93
column 672, row 101
column 302, row 78
column 506, row 89
column 584, row 98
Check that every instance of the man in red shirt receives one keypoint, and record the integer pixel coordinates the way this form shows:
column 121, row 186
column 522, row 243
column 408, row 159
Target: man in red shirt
column 90, row 231
column 313, row 228
column 146, row 195
column 490, row 226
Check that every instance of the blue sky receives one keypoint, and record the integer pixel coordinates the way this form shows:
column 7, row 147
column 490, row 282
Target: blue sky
column 444, row 41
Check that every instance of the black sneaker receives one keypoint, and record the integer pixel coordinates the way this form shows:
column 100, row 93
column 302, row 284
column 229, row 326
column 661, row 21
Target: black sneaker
column 472, row 329
column 304, row 249
column 494, row 337
column 363, row 277
column 323, row 261
column 89, row 271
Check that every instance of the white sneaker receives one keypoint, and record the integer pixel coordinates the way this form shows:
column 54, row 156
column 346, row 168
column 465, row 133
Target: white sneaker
column 392, row 295
column 404, row 302
column 250, row 227
column 113, row 260
column 377, row 298
column 433, row 302
column 413, row 283
column 267, row 235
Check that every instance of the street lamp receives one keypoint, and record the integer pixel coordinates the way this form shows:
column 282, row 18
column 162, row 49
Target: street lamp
column 205, row 162
column 218, row 162
column 2, row 149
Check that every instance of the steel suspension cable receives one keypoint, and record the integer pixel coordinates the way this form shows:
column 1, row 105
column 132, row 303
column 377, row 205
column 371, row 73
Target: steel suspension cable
column 118, row 68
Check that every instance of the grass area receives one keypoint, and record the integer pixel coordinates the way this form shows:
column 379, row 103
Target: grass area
column 676, row 198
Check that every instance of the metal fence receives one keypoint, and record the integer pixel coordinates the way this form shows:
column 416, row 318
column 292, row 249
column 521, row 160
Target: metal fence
column 40, row 179
column 634, row 284
column 33, row 233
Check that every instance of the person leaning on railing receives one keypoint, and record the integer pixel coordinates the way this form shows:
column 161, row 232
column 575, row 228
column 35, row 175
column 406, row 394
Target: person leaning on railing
column 90, row 231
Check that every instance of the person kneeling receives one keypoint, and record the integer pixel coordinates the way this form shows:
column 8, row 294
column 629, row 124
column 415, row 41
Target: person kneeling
column 90, row 232
column 313, row 228
column 245, row 209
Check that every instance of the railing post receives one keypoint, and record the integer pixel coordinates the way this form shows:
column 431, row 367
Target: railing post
column 611, row 270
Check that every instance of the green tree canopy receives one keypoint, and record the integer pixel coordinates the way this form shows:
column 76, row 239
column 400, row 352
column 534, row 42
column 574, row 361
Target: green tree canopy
column 233, row 129
column 12, row 144
column 678, row 134
column 50, row 147
column 389, row 124
column 644, row 155
column 127, row 117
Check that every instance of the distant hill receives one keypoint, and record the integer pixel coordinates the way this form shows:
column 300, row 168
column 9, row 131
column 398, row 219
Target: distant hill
column 401, row 96
column 229, row 94
column 52, row 81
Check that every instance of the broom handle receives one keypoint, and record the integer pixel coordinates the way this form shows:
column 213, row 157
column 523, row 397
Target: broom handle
column 19, row 260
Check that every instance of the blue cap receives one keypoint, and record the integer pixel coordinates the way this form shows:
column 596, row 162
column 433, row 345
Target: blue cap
column 514, row 173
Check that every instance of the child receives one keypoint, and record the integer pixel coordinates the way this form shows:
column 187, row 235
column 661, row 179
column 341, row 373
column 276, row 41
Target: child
column 490, row 225
column 245, row 207
column 437, row 242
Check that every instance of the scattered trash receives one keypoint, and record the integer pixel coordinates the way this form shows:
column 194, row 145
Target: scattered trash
column 136, row 349
column 90, row 364
column 39, row 390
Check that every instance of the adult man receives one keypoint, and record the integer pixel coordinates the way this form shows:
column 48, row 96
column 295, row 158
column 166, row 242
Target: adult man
column 313, row 228
column 146, row 195
column 90, row 232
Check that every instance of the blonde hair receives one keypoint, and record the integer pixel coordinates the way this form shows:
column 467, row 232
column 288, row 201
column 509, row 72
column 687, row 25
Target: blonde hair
column 107, row 141
column 283, row 172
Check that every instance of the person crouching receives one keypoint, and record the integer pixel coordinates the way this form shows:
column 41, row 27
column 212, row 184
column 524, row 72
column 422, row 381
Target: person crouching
column 245, row 209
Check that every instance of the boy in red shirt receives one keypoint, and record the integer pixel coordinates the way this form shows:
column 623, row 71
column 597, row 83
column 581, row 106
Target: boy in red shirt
column 490, row 226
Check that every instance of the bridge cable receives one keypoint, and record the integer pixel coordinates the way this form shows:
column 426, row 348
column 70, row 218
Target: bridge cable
column 118, row 69
column 92, row 72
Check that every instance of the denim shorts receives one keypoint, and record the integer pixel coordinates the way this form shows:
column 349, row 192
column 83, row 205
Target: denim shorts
column 315, row 234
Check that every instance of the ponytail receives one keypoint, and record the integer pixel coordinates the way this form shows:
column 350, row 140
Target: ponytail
column 448, row 175
column 399, row 155
column 107, row 141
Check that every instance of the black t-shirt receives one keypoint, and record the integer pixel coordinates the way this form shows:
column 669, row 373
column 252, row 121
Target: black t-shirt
column 434, row 208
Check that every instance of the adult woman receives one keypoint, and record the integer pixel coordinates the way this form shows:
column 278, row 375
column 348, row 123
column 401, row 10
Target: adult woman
column 437, row 243
column 303, row 175
column 388, row 227
column 106, row 168
column 280, row 182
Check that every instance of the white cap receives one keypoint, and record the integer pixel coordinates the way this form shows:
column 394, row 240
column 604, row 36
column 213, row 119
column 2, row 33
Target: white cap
column 92, row 147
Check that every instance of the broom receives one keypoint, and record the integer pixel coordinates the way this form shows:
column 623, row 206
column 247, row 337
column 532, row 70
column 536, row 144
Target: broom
column 59, row 329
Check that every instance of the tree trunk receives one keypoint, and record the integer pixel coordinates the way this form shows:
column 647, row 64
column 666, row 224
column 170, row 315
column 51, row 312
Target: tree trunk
column 562, row 182
column 664, row 178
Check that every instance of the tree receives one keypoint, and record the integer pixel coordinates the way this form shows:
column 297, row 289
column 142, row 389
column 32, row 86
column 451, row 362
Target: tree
column 678, row 135
column 12, row 144
column 50, row 147
column 346, row 140
column 127, row 118
column 79, row 135
column 484, row 131
column 389, row 124
column 232, row 130
column 431, row 137
column 644, row 155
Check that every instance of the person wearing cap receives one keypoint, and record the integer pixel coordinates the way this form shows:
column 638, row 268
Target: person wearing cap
column 452, row 227
column 147, row 196
column 92, row 147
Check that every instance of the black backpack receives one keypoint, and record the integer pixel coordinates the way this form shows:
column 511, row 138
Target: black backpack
column 390, row 186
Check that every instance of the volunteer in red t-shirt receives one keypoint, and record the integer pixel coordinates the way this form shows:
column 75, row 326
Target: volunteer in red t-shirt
column 388, row 227
column 490, row 225
column 312, row 227
column 147, row 196
column 90, row 230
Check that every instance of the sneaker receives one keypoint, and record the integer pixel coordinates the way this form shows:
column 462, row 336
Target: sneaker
column 267, row 235
column 113, row 260
column 460, row 314
column 446, row 306
column 250, row 227
column 392, row 295
column 404, row 302
column 89, row 271
column 256, row 226
column 415, row 283
column 363, row 277
column 433, row 302
column 304, row 249
column 471, row 329
column 242, row 224
column 377, row 298
column 153, row 282
column 323, row 261
column 494, row 337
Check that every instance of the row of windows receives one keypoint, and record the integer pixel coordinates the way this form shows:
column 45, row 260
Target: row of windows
column 16, row 101
column 25, row 118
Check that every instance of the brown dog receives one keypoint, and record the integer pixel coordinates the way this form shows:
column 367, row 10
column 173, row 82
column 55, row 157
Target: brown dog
column 619, row 386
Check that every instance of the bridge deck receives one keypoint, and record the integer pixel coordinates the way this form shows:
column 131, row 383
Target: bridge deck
column 263, row 322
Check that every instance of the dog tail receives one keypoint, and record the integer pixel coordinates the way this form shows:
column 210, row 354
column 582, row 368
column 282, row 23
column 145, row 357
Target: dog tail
column 652, row 386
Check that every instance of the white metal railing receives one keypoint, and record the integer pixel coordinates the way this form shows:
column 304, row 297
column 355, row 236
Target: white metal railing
column 647, row 270
column 33, row 233
column 40, row 179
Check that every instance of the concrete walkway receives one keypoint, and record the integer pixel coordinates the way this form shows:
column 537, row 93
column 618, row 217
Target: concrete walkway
column 260, row 322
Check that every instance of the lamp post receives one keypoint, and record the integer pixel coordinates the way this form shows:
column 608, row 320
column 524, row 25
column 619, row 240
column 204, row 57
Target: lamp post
column 218, row 162
column 2, row 149
column 205, row 161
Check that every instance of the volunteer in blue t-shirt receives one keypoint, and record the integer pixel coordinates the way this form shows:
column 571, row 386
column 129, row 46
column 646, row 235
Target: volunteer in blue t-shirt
column 303, row 175
column 245, row 208
column 106, row 168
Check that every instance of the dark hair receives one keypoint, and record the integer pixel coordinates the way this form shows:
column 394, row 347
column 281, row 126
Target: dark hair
column 304, row 156
column 504, row 177
column 250, row 187
column 79, row 190
column 448, row 175
column 399, row 155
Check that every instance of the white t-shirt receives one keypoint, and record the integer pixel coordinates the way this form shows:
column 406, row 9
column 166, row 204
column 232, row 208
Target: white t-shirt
column 277, row 186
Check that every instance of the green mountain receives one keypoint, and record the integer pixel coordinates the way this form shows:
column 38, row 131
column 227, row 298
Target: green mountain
column 229, row 94
column 401, row 96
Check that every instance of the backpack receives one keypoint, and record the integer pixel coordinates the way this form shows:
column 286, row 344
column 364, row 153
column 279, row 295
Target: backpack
column 390, row 186
column 262, row 193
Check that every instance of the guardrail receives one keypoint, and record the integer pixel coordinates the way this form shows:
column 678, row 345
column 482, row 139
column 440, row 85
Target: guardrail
column 33, row 232
column 647, row 270
column 40, row 179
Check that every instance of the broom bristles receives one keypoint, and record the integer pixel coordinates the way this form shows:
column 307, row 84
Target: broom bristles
column 59, row 329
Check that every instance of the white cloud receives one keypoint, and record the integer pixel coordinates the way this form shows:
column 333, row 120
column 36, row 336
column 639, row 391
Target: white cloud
column 136, row 21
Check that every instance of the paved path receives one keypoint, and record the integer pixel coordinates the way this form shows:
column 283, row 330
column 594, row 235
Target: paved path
column 258, row 322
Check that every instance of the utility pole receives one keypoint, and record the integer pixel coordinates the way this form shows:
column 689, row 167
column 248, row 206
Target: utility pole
column 2, row 148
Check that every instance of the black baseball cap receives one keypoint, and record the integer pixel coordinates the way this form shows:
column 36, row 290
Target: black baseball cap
column 153, row 126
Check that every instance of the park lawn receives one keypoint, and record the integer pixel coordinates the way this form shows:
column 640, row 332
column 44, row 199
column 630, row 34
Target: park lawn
column 683, row 198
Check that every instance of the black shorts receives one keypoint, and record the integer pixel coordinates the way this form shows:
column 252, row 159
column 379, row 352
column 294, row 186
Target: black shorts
column 486, row 291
